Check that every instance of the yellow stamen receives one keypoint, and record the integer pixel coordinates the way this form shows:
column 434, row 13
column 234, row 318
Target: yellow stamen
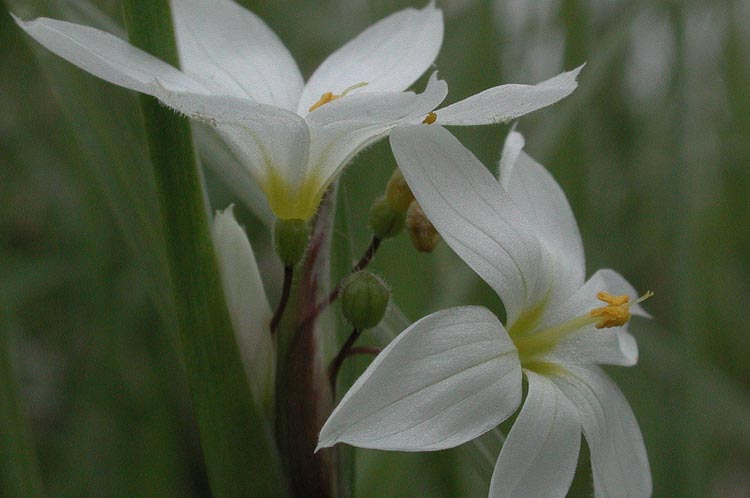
column 617, row 311
column 431, row 117
column 330, row 96
column 324, row 99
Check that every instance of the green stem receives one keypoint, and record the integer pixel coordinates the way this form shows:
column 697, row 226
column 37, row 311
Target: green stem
column 238, row 447
column 285, row 292
column 19, row 474
column 303, row 395
column 345, row 351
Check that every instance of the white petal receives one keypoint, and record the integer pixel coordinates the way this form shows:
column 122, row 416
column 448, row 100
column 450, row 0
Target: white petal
column 248, row 306
column 447, row 379
column 272, row 143
column 473, row 214
column 540, row 454
column 109, row 58
column 506, row 102
column 345, row 126
column 389, row 56
column 216, row 156
column 547, row 210
column 613, row 346
column 618, row 456
column 234, row 52
column 514, row 144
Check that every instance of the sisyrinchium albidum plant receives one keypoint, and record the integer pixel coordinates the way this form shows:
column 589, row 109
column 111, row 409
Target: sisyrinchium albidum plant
column 451, row 376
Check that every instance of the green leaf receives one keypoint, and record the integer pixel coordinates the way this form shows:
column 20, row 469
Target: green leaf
column 19, row 474
column 237, row 444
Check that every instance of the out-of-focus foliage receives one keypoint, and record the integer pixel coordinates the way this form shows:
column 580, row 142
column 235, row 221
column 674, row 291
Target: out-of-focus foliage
column 652, row 150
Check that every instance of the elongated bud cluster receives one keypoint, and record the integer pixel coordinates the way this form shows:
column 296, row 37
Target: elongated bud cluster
column 388, row 212
column 364, row 300
column 290, row 238
column 385, row 220
column 398, row 192
column 423, row 235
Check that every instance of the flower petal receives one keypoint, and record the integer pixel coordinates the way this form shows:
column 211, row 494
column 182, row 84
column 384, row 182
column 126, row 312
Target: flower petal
column 248, row 306
column 613, row 346
column 540, row 454
column 235, row 53
column 506, row 102
column 547, row 210
column 389, row 56
column 512, row 148
column 618, row 456
column 272, row 143
column 474, row 215
column 342, row 128
column 109, row 58
column 447, row 379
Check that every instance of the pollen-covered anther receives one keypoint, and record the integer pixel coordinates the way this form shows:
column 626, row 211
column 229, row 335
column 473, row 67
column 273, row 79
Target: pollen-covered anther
column 431, row 118
column 324, row 99
column 615, row 314
column 330, row 96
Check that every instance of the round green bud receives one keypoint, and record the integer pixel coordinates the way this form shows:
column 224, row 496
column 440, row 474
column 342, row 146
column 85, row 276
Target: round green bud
column 398, row 192
column 385, row 220
column 290, row 239
column 364, row 299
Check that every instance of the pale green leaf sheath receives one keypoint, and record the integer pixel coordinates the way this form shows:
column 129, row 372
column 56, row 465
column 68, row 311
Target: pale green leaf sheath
column 292, row 138
column 457, row 373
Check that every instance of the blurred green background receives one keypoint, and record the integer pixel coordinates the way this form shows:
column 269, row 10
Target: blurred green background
column 653, row 151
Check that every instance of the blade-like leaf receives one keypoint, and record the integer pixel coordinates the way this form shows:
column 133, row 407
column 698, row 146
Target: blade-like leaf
column 237, row 444
column 19, row 474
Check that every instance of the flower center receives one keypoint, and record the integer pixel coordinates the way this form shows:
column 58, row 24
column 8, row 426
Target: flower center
column 431, row 117
column 615, row 314
column 330, row 96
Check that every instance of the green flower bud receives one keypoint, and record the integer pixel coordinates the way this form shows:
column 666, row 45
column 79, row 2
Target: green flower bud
column 290, row 239
column 364, row 300
column 398, row 192
column 385, row 220
column 423, row 235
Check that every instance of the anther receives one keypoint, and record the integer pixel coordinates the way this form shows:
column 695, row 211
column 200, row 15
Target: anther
column 330, row 96
column 615, row 314
column 617, row 311
column 431, row 117
column 324, row 99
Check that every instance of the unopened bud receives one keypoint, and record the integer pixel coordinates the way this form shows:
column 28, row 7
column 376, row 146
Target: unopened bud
column 290, row 239
column 398, row 192
column 423, row 235
column 385, row 220
column 364, row 300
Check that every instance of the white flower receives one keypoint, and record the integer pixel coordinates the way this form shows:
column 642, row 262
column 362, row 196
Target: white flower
column 457, row 373
column 248, row 305
column 293, row 138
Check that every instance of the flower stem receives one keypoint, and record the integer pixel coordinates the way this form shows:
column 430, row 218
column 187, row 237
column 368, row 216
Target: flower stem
column 368, row 255
column 285, row 292
column 335, row 366
column 371, row 350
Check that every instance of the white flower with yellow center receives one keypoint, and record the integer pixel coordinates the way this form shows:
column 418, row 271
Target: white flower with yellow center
column 457, row 373
column 292, row 138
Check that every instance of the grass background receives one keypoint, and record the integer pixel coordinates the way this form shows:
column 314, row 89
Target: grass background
column 652, row 151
